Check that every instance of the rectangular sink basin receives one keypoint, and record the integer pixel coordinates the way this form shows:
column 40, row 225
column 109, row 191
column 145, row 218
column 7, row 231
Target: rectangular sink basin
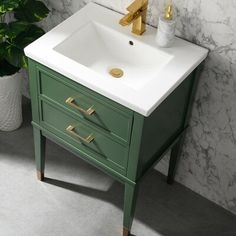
column 101, row 48
column 89, row 44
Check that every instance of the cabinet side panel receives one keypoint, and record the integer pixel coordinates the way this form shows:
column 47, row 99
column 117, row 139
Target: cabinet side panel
column 164, row 125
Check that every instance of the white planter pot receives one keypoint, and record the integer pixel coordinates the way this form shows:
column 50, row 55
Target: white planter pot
column 10, row 102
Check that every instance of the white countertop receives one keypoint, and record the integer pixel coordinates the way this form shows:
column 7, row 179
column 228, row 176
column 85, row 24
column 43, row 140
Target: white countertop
column 186, row 57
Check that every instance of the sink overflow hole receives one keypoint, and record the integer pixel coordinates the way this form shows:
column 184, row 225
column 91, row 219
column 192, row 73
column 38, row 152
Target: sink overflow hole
column 131, row 43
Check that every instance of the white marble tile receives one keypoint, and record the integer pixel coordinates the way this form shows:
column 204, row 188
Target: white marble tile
column 208, row 162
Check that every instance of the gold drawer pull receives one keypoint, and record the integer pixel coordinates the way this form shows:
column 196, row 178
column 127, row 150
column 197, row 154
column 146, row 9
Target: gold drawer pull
column 71, row 102
column 70, row 130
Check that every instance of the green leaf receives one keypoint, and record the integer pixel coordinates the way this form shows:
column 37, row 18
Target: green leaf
column 11, row 30
column 15, row 28
column 2, row 50
column 31, row 11
column 25, row 38
column 15, row 50
column 3, row 30
column 15, row 56
column 8, row 5
column 7, row 69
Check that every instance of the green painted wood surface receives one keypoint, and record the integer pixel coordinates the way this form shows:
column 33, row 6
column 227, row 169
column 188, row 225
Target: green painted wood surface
column 83, row 155
column 135, row 146
column 103, row 148
column 176, row 150
column 127, row 143
column 164, row 125
column 39, row 147
column 130, row 198
column 174, row 156
column 33, row 82
column 109, row 116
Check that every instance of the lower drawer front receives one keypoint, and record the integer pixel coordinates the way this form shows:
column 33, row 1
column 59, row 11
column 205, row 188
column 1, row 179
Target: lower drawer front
column 85, row 137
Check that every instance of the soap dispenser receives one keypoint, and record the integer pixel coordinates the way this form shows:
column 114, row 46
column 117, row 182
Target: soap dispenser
column 166, row 26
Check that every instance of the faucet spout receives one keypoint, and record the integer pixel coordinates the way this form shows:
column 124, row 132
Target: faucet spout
column 137, row 15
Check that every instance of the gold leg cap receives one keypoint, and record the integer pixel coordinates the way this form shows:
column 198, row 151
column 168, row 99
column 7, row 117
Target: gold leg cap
column 126, row 232
column 40, row 175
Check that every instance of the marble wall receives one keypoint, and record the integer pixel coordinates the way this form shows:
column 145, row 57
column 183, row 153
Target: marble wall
column 208, row 162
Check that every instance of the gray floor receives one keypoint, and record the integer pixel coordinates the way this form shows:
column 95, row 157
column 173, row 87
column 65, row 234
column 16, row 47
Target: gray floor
column 79, row 200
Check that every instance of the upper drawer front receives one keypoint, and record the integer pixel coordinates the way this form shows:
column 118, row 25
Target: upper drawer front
column 86, row 104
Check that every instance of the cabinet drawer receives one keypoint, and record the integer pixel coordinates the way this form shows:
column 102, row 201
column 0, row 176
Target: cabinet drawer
column 85, row 137
column 86, row 104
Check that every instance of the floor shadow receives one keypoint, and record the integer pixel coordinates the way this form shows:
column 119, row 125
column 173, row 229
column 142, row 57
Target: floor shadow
column 169, row 210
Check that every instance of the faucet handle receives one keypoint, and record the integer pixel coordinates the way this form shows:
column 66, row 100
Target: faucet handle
column 126, row 19
column 137, row 5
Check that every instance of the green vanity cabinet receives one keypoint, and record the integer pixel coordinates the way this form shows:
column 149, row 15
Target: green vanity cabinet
column 115, row 139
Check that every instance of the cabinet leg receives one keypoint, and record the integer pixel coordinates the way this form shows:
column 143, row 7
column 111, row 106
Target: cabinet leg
column 174, row 158
column 129, row 207
column 39, row 145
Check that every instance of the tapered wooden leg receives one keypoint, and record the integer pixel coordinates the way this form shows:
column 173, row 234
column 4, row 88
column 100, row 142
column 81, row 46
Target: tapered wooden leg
column 129, row 207
column 174, row 158
column 39, row 145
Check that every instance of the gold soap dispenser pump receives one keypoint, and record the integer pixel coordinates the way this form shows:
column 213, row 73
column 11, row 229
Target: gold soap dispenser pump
column 166, row 26
column 168, row 12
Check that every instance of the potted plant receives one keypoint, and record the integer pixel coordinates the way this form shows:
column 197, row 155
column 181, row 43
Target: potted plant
column 17, row 30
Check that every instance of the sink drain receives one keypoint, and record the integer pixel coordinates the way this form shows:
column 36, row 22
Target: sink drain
column 116, row 72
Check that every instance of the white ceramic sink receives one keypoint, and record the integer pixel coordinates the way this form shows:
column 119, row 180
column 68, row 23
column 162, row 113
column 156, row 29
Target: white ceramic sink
column 91, row 42
column 101, row 48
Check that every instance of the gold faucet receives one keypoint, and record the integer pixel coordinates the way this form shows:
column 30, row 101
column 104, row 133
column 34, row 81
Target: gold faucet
column 137, row 15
